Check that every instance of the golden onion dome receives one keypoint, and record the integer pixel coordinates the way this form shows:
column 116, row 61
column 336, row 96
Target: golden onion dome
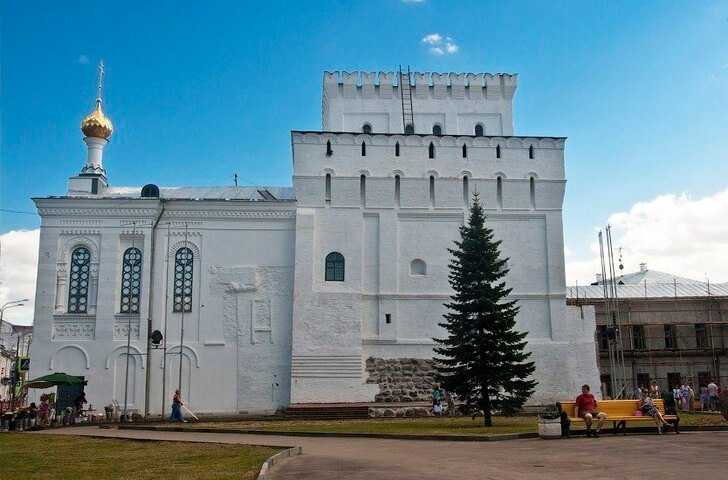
column 96, row 124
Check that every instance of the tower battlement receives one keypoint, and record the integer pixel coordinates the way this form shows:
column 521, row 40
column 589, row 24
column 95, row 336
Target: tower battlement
column 452, row 103
column 424, row 84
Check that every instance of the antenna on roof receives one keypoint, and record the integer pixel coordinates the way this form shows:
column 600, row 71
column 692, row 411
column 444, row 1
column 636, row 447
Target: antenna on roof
column 235, row 179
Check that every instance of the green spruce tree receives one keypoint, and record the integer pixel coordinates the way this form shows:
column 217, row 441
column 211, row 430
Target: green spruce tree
column 482, row 359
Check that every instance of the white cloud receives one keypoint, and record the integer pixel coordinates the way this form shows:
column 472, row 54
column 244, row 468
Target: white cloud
column 432, row 39
column 18, row 267
column 672, row 233
column 83, row 59
column 440, row 45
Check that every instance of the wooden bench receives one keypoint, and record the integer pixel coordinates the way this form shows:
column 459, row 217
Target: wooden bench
column 619, row 412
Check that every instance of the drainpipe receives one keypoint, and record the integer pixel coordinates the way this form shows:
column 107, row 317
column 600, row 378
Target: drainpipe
column 149, row 311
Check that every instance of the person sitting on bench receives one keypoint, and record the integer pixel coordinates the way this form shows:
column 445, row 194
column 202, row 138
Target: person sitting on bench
column 586, row 408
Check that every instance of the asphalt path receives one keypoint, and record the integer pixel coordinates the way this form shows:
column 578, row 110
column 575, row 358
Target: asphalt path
column 669, row 456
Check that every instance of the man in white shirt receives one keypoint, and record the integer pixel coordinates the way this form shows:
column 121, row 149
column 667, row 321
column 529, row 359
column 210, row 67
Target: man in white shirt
column 713, row 393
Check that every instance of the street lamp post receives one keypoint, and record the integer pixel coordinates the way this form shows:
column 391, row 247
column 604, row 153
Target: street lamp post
column 6, row 305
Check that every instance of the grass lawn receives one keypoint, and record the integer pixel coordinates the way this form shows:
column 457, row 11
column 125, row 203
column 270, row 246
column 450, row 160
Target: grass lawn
column 425, row 426
column 422, row 426
column 55, row 457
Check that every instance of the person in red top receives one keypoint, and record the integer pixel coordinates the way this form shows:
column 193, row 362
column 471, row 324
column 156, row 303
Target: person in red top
column 586, row 408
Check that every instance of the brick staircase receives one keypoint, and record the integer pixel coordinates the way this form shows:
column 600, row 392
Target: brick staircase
column 327, row 411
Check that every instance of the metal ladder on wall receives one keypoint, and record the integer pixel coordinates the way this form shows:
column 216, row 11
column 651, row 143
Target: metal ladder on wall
column 405, row 94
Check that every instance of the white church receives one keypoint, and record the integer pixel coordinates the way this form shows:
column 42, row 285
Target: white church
column 330, row 290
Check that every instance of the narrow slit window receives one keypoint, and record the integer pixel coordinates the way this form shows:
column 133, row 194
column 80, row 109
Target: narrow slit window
column 329, row 152
column 437, row 130
column 431, row 150
column 497, row 151
column 396, row 190
column 466, row 191
column 327, row 188
column 366, row 128
column 530, row 152
column 479, row 130
column 363, row 190
column 432, row 191
column 396, row 149
column 363, row 149
column 532, row 190
column 499, row 191
column 409, row 129
column 465, row 151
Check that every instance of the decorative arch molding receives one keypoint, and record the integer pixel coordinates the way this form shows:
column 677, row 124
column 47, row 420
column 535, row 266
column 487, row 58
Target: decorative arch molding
column 432, row 173
column 500, row 174
column 364, row 172
column 189, row 352
column 189, row 244
column 514, row 142
column 466, row 173
column 112, row 354
column 397, row 172
column 363, row 137
column 531, row 175
column 71, row 243
column 71, row 347
column 329, row 171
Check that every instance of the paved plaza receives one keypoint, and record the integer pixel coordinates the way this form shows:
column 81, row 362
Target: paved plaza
column 609, row 457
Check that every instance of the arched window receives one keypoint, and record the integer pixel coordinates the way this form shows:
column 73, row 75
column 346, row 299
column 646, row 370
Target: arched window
column 396, row 149
column 532, row 190
column 432, row 191
column 465, row 151
column 409, row 129
column 363, row 190
column 431, row 150
column 436, row 130
column 479, row 130
column 79, row 280
column 466, row 191
column 131, row 279
column 366, row 128
column 327, row 188
column 334, row 267
column 497, row 151
column 418, row 267
column 183, row 262
column 363, row 149
column 329, row 152
column 530, row 152
column 499, row 191
column 396, row 190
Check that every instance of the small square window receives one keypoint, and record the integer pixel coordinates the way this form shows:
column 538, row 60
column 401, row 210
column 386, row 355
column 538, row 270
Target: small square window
column 387, row 318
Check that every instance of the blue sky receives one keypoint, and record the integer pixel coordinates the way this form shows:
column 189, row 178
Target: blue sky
column 199, row 90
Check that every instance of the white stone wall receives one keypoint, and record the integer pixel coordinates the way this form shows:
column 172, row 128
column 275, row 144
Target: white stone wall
column 381, row 236
column 236, row 348
column 456, row 102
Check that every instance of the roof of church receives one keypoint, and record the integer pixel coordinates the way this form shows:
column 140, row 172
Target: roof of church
column 253, row 194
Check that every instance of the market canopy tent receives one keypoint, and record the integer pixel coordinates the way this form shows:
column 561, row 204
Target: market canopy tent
column 54, row 380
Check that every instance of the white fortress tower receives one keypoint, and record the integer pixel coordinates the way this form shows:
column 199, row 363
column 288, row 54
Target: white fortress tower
column 329, row 290
column 390, row 205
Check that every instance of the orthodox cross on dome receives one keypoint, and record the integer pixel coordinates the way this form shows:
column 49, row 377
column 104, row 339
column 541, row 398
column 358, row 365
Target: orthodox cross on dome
column 100, row 83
